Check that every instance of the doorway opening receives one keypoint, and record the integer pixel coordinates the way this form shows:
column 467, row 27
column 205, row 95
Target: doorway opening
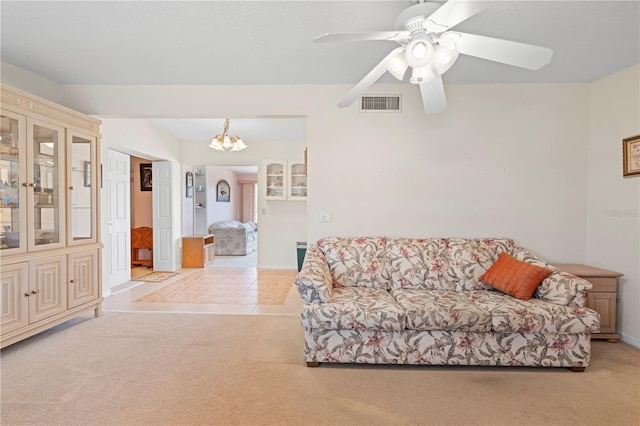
column 225, row 204
column 141, row 212
column 140, row 219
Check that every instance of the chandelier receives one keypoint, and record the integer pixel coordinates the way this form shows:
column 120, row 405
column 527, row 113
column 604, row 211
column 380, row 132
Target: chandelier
column 224, row 142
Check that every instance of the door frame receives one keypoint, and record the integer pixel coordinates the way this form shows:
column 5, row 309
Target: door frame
column 104, row 195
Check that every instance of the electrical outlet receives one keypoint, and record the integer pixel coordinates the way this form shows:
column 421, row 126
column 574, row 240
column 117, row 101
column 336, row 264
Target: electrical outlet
column 325, row 216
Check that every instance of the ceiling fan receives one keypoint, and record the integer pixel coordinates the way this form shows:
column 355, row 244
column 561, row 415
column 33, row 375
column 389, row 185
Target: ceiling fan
column 429, row 47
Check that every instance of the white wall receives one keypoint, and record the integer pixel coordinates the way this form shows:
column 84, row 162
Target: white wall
column 504, row 160
column 613, row 209
column 217, row 211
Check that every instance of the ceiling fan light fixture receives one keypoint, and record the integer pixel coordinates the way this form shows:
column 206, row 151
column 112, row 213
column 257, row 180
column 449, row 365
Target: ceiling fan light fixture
column 397, row 66
column 224, row 142
column 419, row 51
column 445, row 55
column 430, row 48
column 422, row 75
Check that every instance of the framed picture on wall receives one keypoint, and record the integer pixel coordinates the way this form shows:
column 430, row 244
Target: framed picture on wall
column 223, row 192
column 145, row 177
column 631, row 156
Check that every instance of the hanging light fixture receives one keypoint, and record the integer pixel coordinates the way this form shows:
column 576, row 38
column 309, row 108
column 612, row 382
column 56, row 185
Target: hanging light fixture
column 428, row 57
column 224, row 142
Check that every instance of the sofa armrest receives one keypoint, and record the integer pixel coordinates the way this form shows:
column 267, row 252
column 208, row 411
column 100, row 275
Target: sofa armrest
column 565, row 289
column 560, row 288
column 314, row 282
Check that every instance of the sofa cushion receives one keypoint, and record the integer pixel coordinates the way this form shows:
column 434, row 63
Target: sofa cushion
column 443, row 310
column 353, row 308
column 511, row 315
column 472, row 257
column 356, row 262
column 420, row 264
column 514, row 277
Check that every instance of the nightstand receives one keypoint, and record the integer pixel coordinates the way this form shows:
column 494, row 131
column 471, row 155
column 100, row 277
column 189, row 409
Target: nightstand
column 601, row 298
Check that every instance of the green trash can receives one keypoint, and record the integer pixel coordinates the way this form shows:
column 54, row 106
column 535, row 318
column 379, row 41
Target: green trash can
column 301, row 248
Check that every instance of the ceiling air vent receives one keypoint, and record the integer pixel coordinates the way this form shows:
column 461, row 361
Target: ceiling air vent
column 376, row 103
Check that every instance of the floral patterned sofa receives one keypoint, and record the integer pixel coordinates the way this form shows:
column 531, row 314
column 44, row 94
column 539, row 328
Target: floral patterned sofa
column 234, row 238
column 420, row 301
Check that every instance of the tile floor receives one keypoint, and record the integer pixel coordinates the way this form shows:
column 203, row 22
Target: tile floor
column 218, row 288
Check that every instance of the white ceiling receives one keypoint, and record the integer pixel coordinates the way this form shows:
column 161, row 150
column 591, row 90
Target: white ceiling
column 270, row 42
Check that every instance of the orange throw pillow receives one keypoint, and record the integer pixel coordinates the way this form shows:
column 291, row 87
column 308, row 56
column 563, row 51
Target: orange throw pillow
column 514, row 277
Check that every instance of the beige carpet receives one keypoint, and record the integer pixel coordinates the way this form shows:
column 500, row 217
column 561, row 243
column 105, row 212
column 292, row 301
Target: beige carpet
column 190, row 369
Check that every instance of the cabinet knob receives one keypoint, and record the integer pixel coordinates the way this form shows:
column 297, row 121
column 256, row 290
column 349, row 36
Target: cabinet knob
column 71, row 188
column 27, row 294
column 25, row 184
column 72, row 281
column 34, row 292
column 32, row 185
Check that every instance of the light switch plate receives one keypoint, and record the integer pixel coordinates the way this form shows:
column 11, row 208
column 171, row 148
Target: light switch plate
column 325, row 216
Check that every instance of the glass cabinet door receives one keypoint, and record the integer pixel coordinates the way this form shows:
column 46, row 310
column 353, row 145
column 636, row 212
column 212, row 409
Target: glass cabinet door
column 13, row 185
column 275, row 180
column 46, row 143
column 82, row 188
column 297, row 181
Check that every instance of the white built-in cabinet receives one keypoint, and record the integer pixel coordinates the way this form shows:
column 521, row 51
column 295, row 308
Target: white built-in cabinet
column 200, row 200
column 49, row 235
column 285, row 180
column 297, row 188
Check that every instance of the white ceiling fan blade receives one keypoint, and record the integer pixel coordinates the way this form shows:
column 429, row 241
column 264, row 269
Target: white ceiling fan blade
column 368, row 79
column 507, row 52
column 379, row 35
column 433, row 97
column 453, row 12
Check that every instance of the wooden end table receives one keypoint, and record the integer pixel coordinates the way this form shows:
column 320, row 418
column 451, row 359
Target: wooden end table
column 601, row 298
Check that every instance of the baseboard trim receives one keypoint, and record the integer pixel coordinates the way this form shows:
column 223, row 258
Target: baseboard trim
column 630, row 340
column 278, row 267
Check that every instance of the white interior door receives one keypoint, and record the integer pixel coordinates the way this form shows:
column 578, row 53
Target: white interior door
column 119, row 218
column 163, row 239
